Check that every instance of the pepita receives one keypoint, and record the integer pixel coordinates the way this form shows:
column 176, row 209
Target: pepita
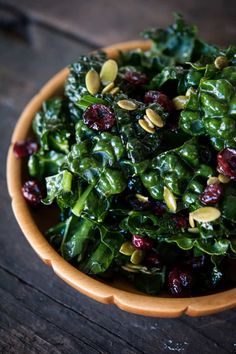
column 221, row 62
column 109, row 71
column 193, row 230
column 191, row 221
column 154, row 117
column 189, row 91
column 223, row 179
column 115, row 90
column 180, row 102
column 141, row 198
column 137, row 257
column 128, row 269
column 143, row 124
column 108, row 87
column 92, row 82
column 148, row 122
column 127, row 248
column 212, row 180
column 170, row 200
column 128, row 105
column 205, row 214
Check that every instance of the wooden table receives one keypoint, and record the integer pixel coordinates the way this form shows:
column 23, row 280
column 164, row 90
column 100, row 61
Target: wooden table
column 39, row 313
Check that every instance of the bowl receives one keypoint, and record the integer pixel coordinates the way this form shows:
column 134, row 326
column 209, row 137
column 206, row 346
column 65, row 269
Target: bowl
column 33, row 223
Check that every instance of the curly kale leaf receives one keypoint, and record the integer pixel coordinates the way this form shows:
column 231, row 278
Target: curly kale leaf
column 52, row 125
column 42, row 164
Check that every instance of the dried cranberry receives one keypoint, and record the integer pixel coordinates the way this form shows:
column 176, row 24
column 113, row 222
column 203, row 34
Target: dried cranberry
column 211, row 194
column 153, row 259
column 25, row 148
column 135, row 78
column 161, row 98
column 142, row 243
column 180, row 281
column 227, row 162
column 180, row 221
column 99, row 117
column 32, row 192
column 159, row 208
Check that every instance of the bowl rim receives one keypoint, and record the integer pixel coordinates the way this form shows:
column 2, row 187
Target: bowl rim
column 142, row 304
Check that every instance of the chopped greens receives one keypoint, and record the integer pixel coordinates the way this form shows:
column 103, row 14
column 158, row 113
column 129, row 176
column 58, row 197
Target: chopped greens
column 133, row 164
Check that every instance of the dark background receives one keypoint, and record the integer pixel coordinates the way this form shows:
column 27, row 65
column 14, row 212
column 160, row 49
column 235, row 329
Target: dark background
column 39, row 313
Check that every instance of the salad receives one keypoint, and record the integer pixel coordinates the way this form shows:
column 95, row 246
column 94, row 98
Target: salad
column 139, row 156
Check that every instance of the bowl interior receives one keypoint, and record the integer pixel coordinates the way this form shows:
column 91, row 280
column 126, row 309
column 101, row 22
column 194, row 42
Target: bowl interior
column 34, row 222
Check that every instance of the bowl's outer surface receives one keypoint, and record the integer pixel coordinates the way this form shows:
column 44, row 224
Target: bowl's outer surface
column 120, row 294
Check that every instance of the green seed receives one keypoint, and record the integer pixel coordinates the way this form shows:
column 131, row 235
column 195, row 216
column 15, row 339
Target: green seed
column 212, row 180
column 128, row 269
column 127, row 248
column 92, row 82
column 137, row 257
column 191, row 221
column 108, row 87
column 193, row 230
column 143, row 124
column 141, row 198
column 170, row 200
column 206, row 214
column 115, row 90
column 221, row 62
column 128, row 105
column 189, row 91
column 180, row 102
column 109, row 71
column 223, row 179
column 154, row 117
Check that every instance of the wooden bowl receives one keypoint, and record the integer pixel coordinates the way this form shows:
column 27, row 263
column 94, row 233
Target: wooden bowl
column 33, row 223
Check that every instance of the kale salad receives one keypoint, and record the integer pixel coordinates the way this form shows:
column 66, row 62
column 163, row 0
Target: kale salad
column 139, row 157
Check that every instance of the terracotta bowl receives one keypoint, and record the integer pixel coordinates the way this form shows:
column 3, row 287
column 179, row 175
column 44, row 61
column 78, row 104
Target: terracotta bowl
column 34, row 223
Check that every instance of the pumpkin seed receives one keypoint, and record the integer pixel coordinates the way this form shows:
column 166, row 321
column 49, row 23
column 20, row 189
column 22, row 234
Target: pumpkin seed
column 141, row 198
column 115, row 90
column 191, row 221
column 92, row 82
column 223, row 179
column 212, row 180
column 127, row 248
column 148, row 122
column 154, row 117
column 170, row 200
column 109, row 71
column 180, row 102
column 108, row 87
column 193, row 230
column 189, row 91
column 128, row 269
column 136, row 266
column 221, row 62
column 128, row 105
column 206, row 214
column 143, row 124
column 137, row 257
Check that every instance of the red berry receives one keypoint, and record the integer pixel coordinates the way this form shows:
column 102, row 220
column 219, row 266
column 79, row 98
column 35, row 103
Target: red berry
column 227, row 162
column 32, row 192
column 180, row 221
column 25, row 148
column 142, row 243
column 159, row 208
column 135, row 78
column 153, row 259
column 161, row 98
column 99, row 117
column 211, row 194
column 180, row 281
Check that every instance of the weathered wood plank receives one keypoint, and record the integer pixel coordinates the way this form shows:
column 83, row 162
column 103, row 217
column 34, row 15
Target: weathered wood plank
column 107, row 22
